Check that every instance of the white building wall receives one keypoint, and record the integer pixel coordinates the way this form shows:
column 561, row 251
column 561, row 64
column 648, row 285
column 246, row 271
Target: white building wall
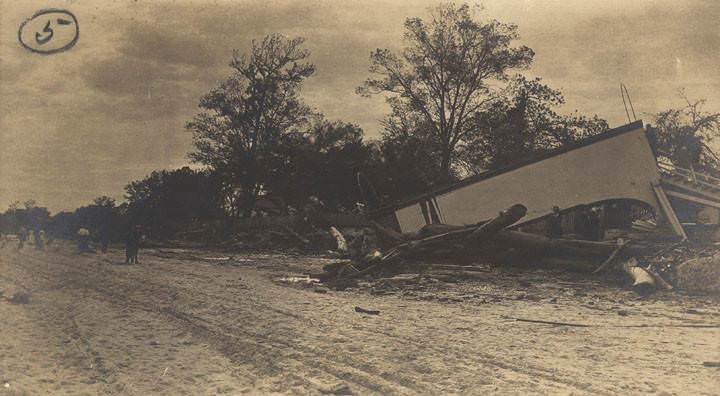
column 619, row 167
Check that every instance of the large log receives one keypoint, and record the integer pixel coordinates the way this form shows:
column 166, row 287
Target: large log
column 473, row 234
column 538, row 245
column 506, row 218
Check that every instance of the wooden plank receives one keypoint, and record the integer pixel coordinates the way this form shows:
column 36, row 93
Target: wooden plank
column 706, row 194
column 693, row 199
column 669, row 212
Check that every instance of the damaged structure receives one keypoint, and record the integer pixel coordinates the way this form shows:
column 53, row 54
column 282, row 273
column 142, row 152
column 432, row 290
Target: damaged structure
column 499, row 214
column 619, row 165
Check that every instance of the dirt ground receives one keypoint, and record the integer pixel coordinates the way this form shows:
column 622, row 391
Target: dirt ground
column 182, row 323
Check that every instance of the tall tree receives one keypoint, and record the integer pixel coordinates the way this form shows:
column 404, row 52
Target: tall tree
column 684, row 136
column 166, row 200
column 443, row 74
column 243, row 119
column 321, row 162
column 523, row 122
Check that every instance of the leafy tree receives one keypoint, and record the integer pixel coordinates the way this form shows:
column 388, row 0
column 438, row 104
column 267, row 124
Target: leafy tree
column 31, row 216
column 523, row 122
column 166, row 200
column 409, row 164
column 243, row 120
column 441, row 80
column 684, row 135
column 321, row 162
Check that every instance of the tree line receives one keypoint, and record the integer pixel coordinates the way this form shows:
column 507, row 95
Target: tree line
column 459, row 105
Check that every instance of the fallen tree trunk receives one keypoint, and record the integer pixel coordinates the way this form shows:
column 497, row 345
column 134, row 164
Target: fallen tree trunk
column 538, row 245
column 476, row 234
column 506, row 218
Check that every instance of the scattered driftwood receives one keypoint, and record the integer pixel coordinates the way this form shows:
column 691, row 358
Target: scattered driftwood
column 549, row 322
column 638, row 326
column 504, row 219
column 538, row 245
column 367, row 311
column 447, row 274
column 470, row 268
column 340, row 239
column 661, row 283
column 493, row 240
column 606, row 263
column 299, row 237
column 643, row 281
column 441, row 234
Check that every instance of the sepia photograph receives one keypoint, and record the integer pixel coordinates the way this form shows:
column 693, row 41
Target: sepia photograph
column 371, row 197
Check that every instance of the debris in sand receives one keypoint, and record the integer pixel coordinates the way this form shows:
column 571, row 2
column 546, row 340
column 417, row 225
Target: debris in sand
column 19, row 298
column 643, row 282
column 606, row 263
column 367, row 311
column 549, row 322
column 299, row 279
column 321, row 290
column 711, row 364
column 339, row 389
column 340, row 239
column 701, row 274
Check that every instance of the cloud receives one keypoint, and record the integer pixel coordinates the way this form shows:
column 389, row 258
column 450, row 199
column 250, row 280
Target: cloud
column 85, row 122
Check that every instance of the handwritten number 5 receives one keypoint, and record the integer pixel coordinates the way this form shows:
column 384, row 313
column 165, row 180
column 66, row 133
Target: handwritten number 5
column 42, row 40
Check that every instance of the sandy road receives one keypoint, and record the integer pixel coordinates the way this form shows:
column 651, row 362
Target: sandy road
column 181, row 326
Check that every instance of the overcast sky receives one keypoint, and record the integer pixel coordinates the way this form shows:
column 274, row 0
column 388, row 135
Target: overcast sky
column 83, row 123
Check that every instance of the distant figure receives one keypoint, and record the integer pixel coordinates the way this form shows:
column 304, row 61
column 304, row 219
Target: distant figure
column 132, row 245
column 581, row 222
column 594, row 229
column 554, row 224
column 104, row 239
column 83, row 240
column 50, row 238
column 39, row 242
column 22, row 237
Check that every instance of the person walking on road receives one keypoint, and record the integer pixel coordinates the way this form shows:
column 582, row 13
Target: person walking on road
column 83, row 240
column 132, row 245
column 22, row 237
column 38, row 238
column 104, row 239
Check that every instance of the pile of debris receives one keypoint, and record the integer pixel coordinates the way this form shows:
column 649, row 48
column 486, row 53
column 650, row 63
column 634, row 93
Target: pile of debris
column 648, row 263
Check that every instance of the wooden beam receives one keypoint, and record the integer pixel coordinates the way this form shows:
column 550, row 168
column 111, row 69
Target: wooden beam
column 693, row 199
column 669, row 212
column 706, row 194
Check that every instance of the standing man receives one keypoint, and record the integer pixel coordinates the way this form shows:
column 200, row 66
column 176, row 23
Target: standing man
column 554, row 224
column 132, row 245
column 37, row 237
column 582, row 222
column 595, row 231
column 104, row 239
column 83, row 240
column 22, row 237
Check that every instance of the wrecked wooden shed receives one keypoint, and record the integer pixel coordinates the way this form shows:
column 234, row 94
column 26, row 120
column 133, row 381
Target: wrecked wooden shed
column 617, row 165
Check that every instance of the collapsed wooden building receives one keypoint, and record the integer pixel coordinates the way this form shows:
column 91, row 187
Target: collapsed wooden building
column 500, row 215
column 617, row 171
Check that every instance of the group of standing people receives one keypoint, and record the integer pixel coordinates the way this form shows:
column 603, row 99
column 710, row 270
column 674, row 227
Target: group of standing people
column 587, row 224
column 132, row 242
column 23, row 235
